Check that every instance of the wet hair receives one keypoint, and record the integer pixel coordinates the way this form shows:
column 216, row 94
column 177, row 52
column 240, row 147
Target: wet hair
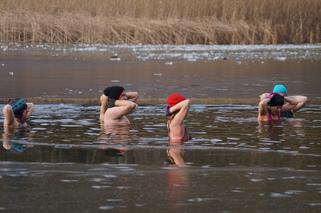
column 276, row 100
column 18, row 106
column 113, row 92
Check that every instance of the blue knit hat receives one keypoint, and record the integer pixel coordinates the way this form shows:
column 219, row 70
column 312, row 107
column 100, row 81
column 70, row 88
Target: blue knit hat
column 280, row 88
column 18, row 105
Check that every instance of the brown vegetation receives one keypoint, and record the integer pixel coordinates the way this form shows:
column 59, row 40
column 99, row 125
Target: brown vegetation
column 161, row 21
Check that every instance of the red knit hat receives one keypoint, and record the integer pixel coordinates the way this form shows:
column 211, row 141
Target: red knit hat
column 174, row 99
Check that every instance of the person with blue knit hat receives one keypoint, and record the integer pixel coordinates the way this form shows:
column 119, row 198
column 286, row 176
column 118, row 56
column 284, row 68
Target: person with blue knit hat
column 291, row 104
column 296, row 103
column 115, row 105
column 17, row 113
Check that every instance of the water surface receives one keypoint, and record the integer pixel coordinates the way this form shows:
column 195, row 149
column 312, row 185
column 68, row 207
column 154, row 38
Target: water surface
column 66, row 162
column 221, row 71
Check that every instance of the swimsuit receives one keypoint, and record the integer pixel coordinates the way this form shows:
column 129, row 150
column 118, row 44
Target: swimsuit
column 287, row 114
column 185, row 137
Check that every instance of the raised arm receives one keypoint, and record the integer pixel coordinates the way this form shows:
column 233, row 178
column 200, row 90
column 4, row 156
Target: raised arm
column 182, row 108
column 103, row 107
column 122, row 107
column 294, row 103
column 132, row 96
column 8, row 116
column 29, row 110
column 264, row 96
column 262, row 106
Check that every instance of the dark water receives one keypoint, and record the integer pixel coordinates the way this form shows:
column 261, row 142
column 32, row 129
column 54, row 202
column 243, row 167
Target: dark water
column 155, row 71
column 66, row 162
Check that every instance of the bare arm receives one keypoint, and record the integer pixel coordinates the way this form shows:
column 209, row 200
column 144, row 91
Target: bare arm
column 264, row 96
column 132, row 96
column 29, row 110
column 103, row 107
column 182, row 108
column 262, row 107
column 8, row 116
column 294, row 103
column 122, row 107
column 5, row 138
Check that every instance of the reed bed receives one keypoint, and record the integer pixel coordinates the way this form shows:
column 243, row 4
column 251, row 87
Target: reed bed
column 161, row 21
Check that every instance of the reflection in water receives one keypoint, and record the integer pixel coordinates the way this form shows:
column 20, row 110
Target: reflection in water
column 114, row 134
column 177, row 181
column 175, row 153
column 16, row 140
column 116, row 137
column 232, row 161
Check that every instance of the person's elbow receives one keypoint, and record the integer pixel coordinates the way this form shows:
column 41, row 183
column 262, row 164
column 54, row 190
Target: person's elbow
column 187, row 102
column 131, row 106
column 304, row 99
column 7, row 108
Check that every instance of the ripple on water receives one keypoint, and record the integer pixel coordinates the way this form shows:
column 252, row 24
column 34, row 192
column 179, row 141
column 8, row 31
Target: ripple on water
column 106, row 207
column 293, row 192
column 278, row 195
column 69, row 180
column 314, row 204
column 100, row 187
column 199, row 199
column 113, row 200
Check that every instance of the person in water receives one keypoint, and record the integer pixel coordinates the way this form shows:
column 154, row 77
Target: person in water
column 17, row 113
column 115, row 105
column 16, row 116
column 176, row 112
column 272, row 105
column 292, row 104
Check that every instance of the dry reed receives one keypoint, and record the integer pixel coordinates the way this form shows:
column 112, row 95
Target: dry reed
column 161, row 21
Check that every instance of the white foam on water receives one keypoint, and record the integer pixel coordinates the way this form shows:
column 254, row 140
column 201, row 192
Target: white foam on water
column 106, row 207
column 278, row 195
column 314, row 204
column 100, row 187
column 69, row 181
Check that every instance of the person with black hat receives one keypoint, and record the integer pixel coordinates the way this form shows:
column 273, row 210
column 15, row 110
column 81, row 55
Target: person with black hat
column 115, row 105
column 17, row 113
column 298, row 101
column 271, row 106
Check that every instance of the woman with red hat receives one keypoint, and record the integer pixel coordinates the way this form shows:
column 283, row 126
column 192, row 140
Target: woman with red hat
column 177, row 110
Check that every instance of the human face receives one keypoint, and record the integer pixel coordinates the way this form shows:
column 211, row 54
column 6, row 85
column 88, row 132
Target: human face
column 275, row 110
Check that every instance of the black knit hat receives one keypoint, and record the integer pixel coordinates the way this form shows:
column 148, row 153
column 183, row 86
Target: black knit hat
column 113, row 92
column 276, row 100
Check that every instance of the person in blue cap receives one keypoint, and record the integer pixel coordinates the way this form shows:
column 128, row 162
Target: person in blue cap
column 16, row 116
column 17, row 113
column 292, row 103
column 115, row 105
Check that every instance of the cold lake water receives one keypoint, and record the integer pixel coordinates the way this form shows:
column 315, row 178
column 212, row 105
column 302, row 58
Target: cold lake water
column 66, row 162
column 155, row 71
